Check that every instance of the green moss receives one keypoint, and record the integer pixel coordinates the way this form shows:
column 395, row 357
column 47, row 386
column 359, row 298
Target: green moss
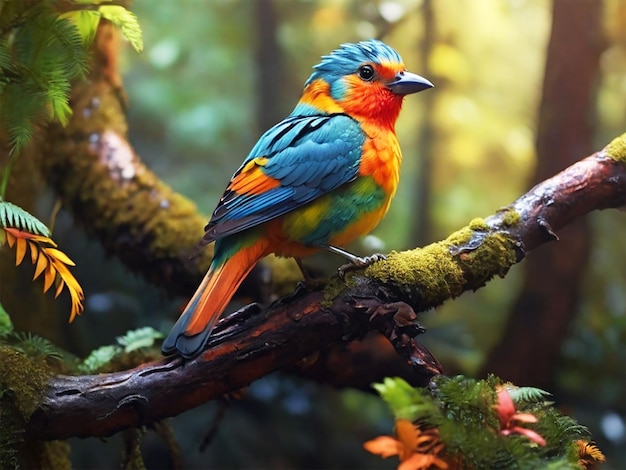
column 432, row 268
column 465, row 260
column 511, row 217
column 495, row 255
column 47, row 454
column 478, row 224
column 616, row 149
column 132, row 459
column 334, row 288
column 22, row 384
column 23, row 378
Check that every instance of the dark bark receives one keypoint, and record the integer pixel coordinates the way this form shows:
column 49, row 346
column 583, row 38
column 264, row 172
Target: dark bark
column 549, row 296
column 251, row 343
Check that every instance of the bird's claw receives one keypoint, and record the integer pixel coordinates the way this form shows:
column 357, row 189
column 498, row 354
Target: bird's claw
column 360, row 263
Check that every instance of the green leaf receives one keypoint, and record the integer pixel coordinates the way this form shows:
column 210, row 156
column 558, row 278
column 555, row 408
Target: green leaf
column 36, row 346
column 5, row 57
column 15, row 217
column 58, row 100
column 98, row 358
column 126, row 21
column 6, row 326
column 86, row 21
column 404, row 400
column 140, row 338
column 20, row 105
column 44, row 54
column 527, row 394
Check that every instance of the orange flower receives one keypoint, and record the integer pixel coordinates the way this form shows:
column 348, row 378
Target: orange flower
column 509, row 417
column 588, row 454
column 50, row 262
column 417, row 449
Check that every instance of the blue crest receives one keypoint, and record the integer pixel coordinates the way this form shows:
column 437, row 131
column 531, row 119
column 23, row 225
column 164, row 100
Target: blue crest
column 348, row 57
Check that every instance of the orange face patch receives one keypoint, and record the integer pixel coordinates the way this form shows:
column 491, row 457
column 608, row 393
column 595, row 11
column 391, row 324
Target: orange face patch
column 372, row 100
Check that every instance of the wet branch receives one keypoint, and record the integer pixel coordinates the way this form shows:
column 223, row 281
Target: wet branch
column 254, row 342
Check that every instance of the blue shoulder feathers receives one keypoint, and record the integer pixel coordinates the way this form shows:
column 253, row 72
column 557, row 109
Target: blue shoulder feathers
column 308, row 155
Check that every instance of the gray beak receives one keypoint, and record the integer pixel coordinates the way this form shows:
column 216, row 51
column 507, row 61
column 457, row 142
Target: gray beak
column 406, row 83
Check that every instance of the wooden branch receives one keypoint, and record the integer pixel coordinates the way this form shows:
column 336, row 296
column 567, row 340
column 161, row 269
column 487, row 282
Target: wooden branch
column 252, row 342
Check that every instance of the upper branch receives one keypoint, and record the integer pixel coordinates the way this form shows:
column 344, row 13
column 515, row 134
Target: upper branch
column 253, row 342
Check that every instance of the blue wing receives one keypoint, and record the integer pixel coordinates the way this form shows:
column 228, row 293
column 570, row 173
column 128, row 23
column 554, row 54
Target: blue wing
column 295, row 162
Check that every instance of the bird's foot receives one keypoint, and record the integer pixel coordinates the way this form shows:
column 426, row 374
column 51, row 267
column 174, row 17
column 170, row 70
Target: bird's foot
column 310, row 283
column 360, row 263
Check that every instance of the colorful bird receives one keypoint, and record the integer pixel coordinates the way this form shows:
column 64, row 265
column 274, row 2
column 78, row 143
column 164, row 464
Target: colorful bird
column 315, row 181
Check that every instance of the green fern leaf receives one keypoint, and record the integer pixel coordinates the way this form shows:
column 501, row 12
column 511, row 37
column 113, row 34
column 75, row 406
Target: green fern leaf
column 86, row 22
column 5, row 57
column 527, row 394
column 126, row 21
column 20, row 105
column 98, row 358
column 64, row 47
column 36, row 346
column 15, row 217
column 404, row 400
column 139, row 338
column 58, row 93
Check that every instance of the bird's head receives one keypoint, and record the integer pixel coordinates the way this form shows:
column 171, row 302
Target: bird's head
column 366, row 80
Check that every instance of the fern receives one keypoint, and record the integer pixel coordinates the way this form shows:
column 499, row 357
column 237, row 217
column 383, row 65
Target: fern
column 41, row 51
column 126, row 21
column 50, row 262
column 35, row 346
column 139, row 338
column 527, row 394
column 131, row 341
column 13, row 216
column 98, row 358
column 485, row 424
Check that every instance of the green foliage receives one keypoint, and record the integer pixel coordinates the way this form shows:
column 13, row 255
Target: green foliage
column 6, row 326
column 16, row 217
column 98, row 358
column 126, row 21
column 23, row 379
column 139, row 338
column 41, row 51
column 477, row 430
column 528, row 394
column 404, row 400
column 35, row 346
column 132, row 341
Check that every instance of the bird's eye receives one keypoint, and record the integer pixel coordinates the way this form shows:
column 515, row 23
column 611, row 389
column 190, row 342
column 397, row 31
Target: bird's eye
column 366, row 73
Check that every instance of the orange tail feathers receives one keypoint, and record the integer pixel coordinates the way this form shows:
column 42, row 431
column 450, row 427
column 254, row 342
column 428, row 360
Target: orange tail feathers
column 192, row 330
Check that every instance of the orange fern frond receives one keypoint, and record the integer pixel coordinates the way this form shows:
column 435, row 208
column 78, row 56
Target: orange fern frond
column 588, row 454
column 50, row 261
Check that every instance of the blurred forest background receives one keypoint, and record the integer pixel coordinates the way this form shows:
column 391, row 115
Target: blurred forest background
column 216, row 73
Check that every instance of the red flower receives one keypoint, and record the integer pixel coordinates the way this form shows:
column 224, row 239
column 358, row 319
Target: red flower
column 510, row 419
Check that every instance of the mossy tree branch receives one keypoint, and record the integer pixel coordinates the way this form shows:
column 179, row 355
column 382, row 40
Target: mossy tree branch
column 97, row 174
column 252, row 342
